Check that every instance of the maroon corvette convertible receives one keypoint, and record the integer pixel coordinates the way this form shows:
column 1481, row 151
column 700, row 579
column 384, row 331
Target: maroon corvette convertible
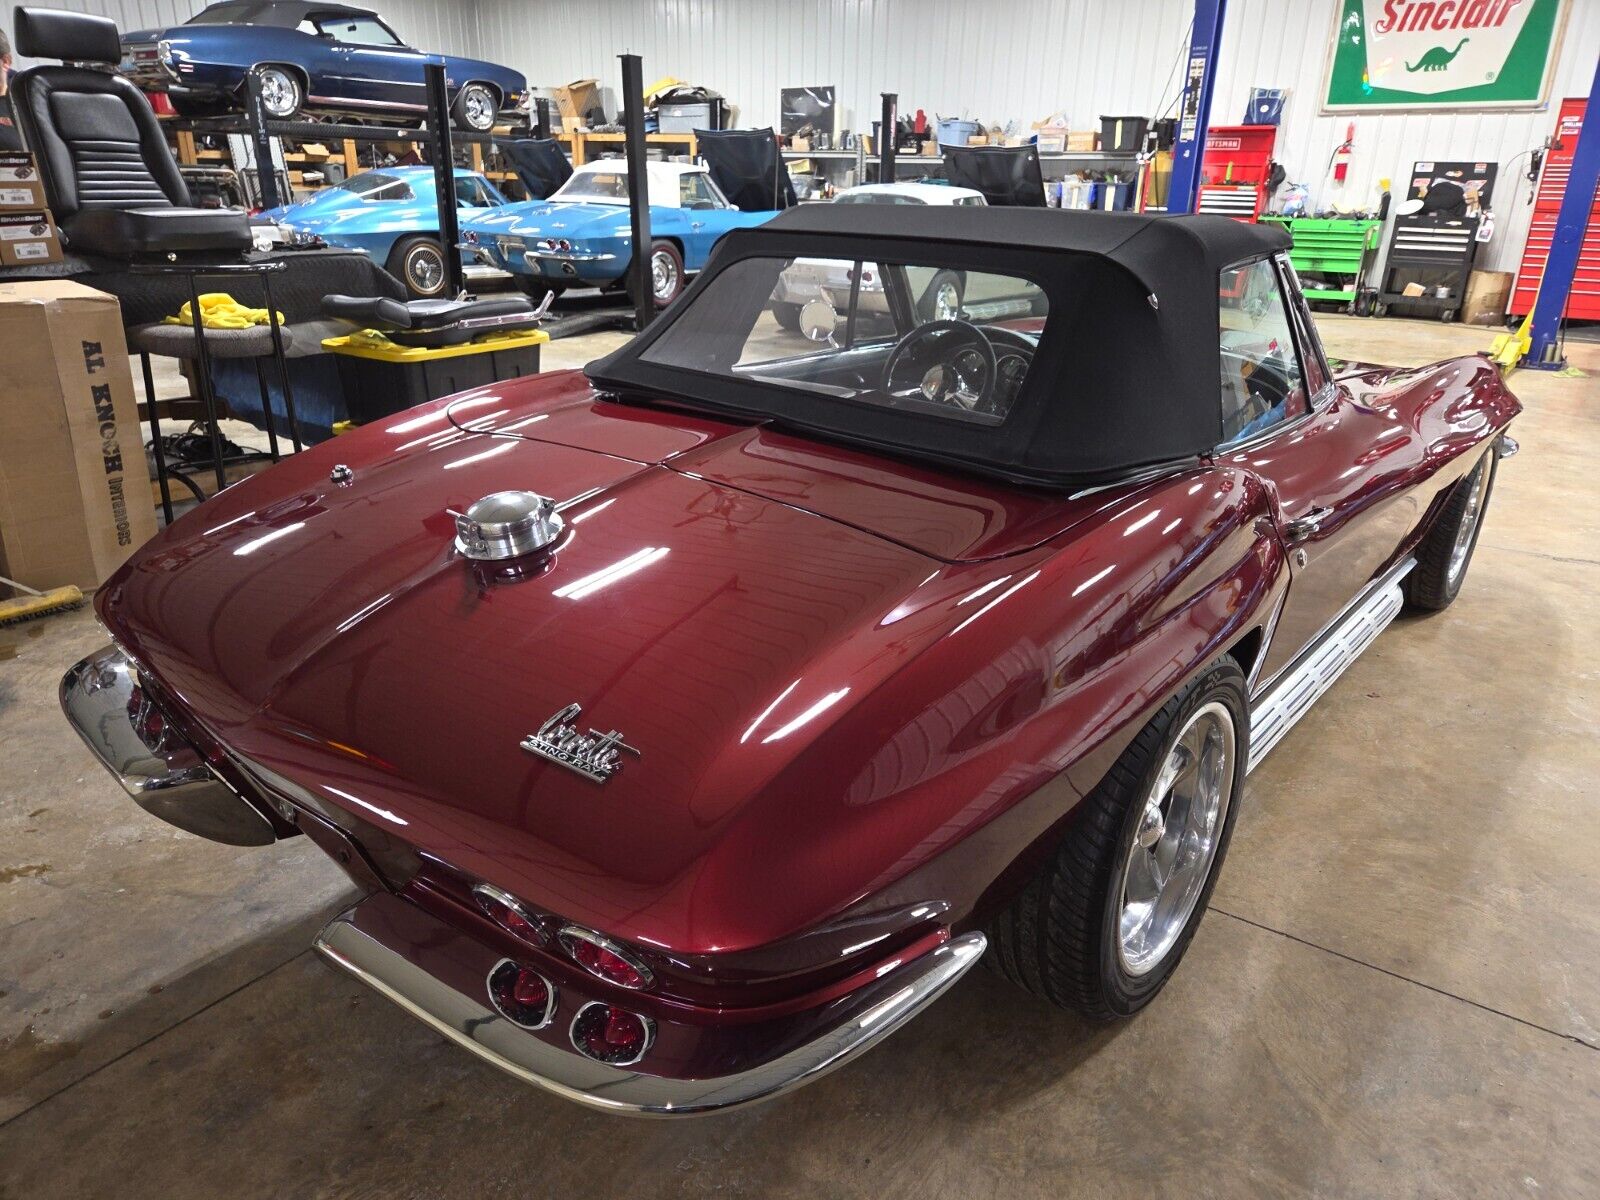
column 694, row 722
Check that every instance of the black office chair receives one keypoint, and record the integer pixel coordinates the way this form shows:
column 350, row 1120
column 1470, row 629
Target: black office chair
column 108, row 175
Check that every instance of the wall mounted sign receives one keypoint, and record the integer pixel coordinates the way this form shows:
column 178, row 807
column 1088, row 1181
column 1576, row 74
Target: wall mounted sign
column 1410, row 54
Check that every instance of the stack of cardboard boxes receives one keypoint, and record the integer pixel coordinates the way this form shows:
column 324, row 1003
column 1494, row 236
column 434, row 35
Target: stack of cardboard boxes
column 74, row 488
column 27, row 231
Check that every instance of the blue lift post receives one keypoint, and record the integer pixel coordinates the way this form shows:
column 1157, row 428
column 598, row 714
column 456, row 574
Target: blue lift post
column 1555, row 285
column 1195, row 115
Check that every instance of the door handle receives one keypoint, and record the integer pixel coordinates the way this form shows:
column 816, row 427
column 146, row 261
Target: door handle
column 1305, row 526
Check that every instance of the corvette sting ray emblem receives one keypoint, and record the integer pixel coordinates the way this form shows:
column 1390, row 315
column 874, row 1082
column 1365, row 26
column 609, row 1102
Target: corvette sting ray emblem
column 594, row 755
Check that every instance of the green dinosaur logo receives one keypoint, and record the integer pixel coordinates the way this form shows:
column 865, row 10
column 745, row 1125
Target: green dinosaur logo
column 1436, row 59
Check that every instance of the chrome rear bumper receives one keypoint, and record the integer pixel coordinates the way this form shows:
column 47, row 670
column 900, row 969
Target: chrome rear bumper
column 164, row 774
column 435, row 972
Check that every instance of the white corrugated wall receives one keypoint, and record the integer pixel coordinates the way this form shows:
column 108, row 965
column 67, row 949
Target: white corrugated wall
column 1022, row 59
column 1007, row 59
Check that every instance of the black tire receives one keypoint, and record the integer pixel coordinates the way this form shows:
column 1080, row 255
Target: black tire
column 928, row 305
column 1433, row 584
column 668, row 284
column 1448, row 315
column 475, row 108
column 536, row 287
column 282, row 93
column 418, row 262
column 1060, row 937
column 786, row 314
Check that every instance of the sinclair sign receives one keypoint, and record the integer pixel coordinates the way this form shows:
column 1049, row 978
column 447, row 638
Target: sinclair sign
column 1398, row 54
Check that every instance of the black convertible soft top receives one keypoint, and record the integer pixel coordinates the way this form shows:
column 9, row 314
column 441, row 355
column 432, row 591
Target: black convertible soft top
column 1128, row 369
column 285, row 14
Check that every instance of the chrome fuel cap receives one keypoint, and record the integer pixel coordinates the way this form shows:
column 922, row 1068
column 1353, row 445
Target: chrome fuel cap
column 507, row 525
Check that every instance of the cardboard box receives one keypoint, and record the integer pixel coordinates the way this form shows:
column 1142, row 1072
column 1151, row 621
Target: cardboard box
column 1488, row 293
column 978, row 139
column 571, row 124
column 1081, row 141
column 578, row 97
column 20, row 186
column 28, row 239
column 74, row 489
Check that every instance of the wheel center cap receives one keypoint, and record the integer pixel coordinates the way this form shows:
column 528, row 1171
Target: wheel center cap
column 1152, row 825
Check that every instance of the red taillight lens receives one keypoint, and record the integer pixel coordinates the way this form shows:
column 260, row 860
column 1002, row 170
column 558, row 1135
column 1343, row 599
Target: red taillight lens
column 604, row 959
column 522, row 996
column 505, row 912
column 611, row 1035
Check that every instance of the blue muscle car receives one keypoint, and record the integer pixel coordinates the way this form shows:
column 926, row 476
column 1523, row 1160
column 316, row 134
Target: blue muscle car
column 581, row 236
column 328, row 58
column 393, row 215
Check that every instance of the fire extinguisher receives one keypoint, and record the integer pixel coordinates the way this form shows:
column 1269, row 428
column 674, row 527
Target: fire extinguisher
column 1341, row 156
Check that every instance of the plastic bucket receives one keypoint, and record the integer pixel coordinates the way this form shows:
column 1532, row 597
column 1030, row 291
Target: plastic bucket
column 956, row 133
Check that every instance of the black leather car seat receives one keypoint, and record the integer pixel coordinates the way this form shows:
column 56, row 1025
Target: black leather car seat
column 108, row 175
column 437, row 322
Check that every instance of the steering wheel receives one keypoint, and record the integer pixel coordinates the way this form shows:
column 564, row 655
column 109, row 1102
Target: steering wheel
column 949, row 362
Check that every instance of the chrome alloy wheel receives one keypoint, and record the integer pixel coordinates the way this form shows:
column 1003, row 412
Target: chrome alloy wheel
column 426, row 271
column 947, row 302
column 478, row 107
column 1466, row 532
column 280, row 94
column 1175, row 842
column 663, row 275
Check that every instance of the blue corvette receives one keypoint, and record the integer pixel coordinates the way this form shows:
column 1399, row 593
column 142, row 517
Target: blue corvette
column 581, row 237
column 329, row 58
column 392, row 214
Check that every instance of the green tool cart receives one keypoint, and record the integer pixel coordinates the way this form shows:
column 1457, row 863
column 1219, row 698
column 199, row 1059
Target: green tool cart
column 1335, row 248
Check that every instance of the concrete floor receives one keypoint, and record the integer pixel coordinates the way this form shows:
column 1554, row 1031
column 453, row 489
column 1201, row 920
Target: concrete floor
column 1396, row 993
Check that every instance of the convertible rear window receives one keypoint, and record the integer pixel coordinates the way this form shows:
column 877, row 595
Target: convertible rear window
column 911, row 337
column 375, row 185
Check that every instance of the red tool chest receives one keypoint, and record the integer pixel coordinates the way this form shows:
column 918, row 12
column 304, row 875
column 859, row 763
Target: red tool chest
column 1233, row 170
column 1584, row 301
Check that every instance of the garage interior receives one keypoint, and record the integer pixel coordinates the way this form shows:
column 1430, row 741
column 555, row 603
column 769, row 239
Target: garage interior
column 1396, row 986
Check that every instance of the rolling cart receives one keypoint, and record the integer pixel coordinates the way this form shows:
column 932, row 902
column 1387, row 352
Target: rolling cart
column 1431, row 251
column 1330, row 254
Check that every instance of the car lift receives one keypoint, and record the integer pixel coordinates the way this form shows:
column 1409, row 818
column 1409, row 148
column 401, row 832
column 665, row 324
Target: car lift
column 1195, row 115
column 1543, row 326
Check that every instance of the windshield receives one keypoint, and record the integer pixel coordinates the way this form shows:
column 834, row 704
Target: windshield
column 911, row 336
column 606, row 187
column 375, row 185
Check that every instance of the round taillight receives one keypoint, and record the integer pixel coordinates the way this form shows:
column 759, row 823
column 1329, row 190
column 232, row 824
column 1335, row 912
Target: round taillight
column 604, row 959
column 522, row 996
column 504, row 910
column 611, row 1035
column 565, row 245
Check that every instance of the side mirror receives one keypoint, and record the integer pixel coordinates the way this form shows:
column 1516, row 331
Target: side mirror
column 818, row 320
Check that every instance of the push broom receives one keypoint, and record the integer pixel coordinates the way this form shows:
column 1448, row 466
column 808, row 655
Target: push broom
column 35, row 603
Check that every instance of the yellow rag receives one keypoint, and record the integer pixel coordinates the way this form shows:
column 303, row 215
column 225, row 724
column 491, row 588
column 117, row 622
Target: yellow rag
column 218, row 310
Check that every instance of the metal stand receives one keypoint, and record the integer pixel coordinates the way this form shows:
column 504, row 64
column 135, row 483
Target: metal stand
column 639, row 282
column 444, row 175
column 888, row 134
column 1566, row 246
column 203, row 380
column 255, row 110
column 1195, row 117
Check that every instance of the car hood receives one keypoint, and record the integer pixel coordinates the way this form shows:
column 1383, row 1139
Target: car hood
column 332, row 213
column 332, row 635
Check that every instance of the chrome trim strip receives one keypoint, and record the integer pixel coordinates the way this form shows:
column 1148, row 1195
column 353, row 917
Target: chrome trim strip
column 465, row 1020
column 169, row 780
column 565, row 256
column 1306, row 680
